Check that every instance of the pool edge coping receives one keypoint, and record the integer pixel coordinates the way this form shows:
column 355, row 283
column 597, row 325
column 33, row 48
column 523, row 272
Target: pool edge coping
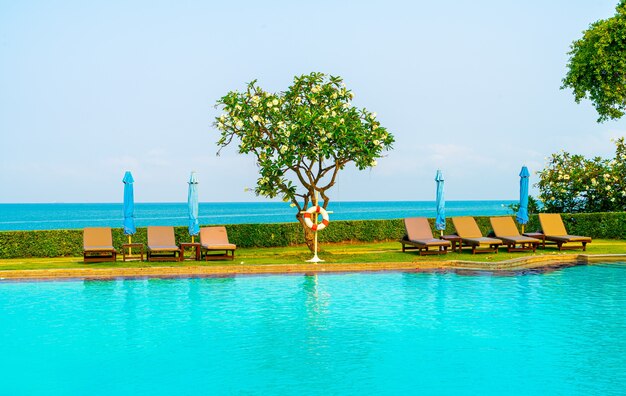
column 515, row 264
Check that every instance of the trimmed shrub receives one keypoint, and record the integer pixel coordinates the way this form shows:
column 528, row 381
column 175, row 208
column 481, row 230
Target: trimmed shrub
column 59, row 243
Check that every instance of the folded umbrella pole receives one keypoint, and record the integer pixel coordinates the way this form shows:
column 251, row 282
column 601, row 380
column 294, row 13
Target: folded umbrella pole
column 192, row 205
column 129, row 208
column 440, row 221
column 522, row 213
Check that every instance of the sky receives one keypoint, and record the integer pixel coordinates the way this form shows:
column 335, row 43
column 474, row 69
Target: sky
column 90, row 89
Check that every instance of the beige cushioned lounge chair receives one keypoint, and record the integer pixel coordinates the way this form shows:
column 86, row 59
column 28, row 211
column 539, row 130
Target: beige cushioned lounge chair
column 419, row 236
column 216, row 239
column 554, row 230
column 98, row 245
column 504, row 228
column 470, row 234
column 162, row 244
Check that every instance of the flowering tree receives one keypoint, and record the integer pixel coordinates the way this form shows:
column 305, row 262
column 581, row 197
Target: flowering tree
column 301, row 138
column 597, row 66
column 573, row 183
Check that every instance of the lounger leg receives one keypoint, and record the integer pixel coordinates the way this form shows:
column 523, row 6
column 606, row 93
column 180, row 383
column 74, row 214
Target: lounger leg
column 559, row 245
column 584, row 246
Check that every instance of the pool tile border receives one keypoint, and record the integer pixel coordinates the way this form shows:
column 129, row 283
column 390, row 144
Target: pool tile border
column 512, row 265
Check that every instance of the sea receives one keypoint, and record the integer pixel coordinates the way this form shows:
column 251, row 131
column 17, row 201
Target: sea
column 54, row 216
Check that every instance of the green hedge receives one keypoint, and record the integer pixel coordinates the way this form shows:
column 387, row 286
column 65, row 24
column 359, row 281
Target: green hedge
column 58, row 243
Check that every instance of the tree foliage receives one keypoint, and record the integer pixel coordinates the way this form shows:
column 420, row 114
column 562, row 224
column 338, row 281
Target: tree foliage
column 597, row 66
column 573, row 183
column 534, row 206
column 302, row 137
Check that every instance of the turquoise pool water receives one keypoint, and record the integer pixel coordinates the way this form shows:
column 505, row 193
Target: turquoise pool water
column 558, row 333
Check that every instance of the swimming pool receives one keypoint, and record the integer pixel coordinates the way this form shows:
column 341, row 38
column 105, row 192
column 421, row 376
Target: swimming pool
column 562, row 332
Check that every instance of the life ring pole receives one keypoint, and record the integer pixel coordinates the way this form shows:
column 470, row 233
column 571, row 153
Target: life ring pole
column 315, row 258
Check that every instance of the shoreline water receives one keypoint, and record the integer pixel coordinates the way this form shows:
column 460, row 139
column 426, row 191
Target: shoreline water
column 49, row 216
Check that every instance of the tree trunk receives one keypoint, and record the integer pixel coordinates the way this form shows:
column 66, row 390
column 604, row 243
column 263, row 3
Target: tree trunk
column 309, row 235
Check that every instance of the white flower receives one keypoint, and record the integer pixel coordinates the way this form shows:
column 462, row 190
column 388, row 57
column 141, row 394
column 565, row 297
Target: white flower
column 269, row 104
column 255, row 117
column 375, row 127
column 376, row 142
column 239, row 124
column 334, row 95
column 607, row 188
column 346, row 105
column 223, row 117
column 283, row 149
column 566, row 177
column 373, row 163
column 313, row 101
column 374, row 115
column 275, row 102
column 329, row 135
column 607, row 176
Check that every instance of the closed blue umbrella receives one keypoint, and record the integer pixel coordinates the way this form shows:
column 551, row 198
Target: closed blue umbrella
column 440, row 221
column 192, row 203
column 129, row 205
column 522, row 213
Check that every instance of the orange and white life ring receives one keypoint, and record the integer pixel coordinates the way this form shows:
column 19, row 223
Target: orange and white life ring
column 308, row 218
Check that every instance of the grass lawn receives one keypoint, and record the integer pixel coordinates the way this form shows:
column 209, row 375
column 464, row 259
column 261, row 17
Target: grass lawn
column 382, row 252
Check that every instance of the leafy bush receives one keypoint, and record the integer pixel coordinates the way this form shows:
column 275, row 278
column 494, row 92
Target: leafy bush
column 574, row 184
column 58, row 243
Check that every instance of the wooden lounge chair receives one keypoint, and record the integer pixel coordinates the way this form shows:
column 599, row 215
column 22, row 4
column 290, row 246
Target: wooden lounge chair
column 216, row 239
column 504, row 228
column 162, row 244
column 470, row 234
column 554, row 230
column 419, row 236
column 98, row 245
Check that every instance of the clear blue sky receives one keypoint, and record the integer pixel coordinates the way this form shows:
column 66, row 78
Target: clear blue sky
column 90, row 89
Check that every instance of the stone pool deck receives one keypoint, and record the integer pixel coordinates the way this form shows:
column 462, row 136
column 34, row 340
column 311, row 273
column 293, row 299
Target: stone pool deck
column 543, row 262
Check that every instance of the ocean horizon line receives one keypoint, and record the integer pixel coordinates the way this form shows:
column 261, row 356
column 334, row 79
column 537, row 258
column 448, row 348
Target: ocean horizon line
column 78, row 215
column 250, row 202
